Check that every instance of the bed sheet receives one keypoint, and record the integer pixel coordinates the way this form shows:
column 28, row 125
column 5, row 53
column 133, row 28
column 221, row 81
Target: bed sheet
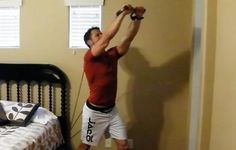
column 34, row 136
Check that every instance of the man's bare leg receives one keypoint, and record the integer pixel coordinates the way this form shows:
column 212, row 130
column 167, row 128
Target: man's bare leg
column 83, row 146
column 122, row 144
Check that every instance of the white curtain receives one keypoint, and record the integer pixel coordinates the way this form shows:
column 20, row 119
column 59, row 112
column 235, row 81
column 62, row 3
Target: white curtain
column 10, row 3
column 83, row 2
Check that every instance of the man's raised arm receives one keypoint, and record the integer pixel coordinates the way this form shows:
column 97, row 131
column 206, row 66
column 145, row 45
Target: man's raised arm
column 132, row 30
column 108, row 34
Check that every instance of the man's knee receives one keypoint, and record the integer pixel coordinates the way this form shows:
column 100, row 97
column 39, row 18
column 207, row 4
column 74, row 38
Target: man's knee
column 123, row 145
column 83, row 146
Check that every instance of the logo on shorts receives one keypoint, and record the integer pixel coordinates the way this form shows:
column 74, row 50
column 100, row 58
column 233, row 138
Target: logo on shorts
column 89, row 136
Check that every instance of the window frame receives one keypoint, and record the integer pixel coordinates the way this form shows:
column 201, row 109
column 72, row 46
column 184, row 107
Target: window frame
column 83, row 46
column 15, row 43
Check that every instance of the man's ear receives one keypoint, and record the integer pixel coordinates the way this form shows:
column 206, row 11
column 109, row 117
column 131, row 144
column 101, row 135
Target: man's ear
column 89, row 42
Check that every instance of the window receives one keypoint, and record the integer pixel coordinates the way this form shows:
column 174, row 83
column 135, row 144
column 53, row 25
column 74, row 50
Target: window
column 81, row 19
column 9, row 27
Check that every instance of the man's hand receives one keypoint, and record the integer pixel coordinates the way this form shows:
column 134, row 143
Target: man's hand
column 139, row 11
column 126, row 9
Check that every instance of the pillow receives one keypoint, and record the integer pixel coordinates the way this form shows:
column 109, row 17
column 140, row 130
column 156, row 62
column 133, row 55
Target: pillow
column 19, row 113
column 3, row 118
column 42, row 115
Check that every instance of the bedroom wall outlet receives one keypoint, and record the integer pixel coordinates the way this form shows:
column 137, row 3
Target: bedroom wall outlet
column 108, row 143
column 131, row 143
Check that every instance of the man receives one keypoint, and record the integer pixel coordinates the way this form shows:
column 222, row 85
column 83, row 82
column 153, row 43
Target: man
column 100, row 66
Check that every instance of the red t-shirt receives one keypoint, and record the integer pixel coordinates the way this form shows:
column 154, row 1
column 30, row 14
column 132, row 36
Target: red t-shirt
column 101, row 73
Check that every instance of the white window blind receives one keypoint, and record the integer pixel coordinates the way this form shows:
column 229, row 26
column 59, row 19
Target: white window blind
column 9, row 27
column 84, row 2
column 10, row 3
column 81, row 19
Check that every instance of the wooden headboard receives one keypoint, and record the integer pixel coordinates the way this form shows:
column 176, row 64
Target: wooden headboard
column 30, row 76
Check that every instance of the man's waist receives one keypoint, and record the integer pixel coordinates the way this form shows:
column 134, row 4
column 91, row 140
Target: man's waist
column 102, row 100
column 103, row 109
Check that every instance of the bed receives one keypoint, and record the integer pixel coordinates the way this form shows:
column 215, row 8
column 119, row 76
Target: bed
column 38, row 95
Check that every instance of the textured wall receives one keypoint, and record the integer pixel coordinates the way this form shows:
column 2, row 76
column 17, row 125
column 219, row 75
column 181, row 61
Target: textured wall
column 153, row 87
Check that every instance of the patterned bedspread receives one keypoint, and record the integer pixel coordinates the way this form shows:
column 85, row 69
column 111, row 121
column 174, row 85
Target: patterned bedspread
column 35, row 136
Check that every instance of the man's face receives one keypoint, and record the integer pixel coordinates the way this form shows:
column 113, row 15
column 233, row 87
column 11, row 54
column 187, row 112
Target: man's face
column 95, row 35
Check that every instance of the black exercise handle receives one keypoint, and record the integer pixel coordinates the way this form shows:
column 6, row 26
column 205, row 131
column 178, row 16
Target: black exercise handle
column 134, row 17
column 124, row 8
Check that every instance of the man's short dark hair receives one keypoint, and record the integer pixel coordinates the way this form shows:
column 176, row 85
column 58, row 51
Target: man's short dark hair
column 88, row 34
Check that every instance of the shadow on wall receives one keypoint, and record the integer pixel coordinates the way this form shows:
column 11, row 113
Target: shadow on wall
column 150, row 87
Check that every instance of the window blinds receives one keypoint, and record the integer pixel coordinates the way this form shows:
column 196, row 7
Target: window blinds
column 81, row 19
column 83, row 2
column 10, row 3
column 9, row 27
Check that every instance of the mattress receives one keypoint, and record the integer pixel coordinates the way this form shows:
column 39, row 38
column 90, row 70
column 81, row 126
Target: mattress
column 35, row 136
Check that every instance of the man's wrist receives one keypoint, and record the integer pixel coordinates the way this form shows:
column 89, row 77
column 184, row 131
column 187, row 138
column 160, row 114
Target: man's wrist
column 133, row 16
column 136, row 17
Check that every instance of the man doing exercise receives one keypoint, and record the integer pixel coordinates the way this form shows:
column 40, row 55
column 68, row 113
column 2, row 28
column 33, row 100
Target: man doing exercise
column 100, row 115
